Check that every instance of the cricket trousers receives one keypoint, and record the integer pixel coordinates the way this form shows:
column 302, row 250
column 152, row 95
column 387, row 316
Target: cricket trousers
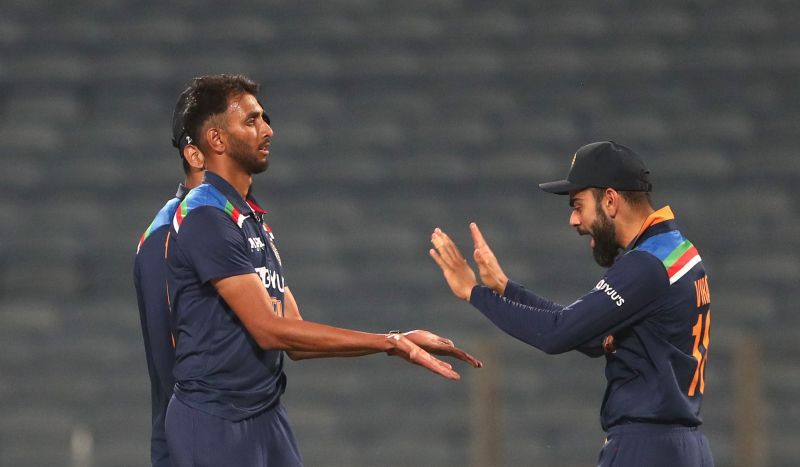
column 653, row 445
column 197, row 439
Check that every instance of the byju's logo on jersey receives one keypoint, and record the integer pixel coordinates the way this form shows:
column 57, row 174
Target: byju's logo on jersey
column 603, row 286
column 256, row 243
column 271, row 279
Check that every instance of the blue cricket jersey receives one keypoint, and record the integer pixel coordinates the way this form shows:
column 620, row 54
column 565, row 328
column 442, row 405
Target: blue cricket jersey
column 219, row 368
column 654, row 300
column 150, row 279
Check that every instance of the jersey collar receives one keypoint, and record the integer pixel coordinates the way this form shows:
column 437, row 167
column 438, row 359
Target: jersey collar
column 182, row 191
column 663, row 219
column 228, row 191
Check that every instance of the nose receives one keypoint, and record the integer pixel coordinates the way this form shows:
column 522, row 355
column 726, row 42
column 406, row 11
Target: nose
column 574, row 219
column 267, row 130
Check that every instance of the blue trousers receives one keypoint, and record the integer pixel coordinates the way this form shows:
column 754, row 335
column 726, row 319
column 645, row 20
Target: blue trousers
column 197, row 439
column 651, row 445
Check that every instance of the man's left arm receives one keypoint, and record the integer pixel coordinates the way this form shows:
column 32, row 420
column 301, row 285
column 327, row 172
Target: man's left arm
column 619, row 299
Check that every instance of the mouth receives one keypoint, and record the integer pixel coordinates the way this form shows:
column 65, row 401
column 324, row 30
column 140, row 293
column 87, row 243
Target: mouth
column 582, row 232
column 264, row 149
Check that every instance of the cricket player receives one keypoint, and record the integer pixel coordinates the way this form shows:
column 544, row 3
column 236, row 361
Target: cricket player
column 235, row 315
column 150, row 280
column 654, row 300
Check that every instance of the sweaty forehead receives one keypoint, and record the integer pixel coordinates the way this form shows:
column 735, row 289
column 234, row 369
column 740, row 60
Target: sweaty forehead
column 244, row 104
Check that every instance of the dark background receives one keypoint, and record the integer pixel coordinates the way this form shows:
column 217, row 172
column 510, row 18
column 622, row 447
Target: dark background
column 392, row 118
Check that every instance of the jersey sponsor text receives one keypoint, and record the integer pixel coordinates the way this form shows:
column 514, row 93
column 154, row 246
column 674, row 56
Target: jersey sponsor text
column 613, row 294
column 271, row 279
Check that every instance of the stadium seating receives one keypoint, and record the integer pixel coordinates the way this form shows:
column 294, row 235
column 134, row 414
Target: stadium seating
column 392, row 118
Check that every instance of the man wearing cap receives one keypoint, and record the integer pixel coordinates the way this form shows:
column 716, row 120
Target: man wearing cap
column 654, row 299
column 150, row 279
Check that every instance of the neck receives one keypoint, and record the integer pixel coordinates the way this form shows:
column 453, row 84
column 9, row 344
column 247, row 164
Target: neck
column 193, row 178
column 628, row 225
column 233, row 174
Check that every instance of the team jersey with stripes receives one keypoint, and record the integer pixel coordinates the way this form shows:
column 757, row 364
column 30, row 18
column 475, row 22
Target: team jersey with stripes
column 150, row 280
column 654, row 300
column 219, row 368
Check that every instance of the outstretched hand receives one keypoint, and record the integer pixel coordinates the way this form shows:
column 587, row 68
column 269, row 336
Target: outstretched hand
column 491, row 274
column 403, row 347
column 440, row 346
column 458, row 274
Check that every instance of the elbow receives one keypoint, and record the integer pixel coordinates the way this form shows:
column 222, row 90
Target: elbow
column 274, row 334
column 555, row 347
column 269, row 341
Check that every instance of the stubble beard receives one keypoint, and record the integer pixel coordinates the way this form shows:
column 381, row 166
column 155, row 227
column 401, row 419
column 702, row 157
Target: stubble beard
column 248, row 159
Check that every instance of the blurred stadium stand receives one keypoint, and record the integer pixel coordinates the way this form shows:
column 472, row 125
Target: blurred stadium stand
column 392, row 118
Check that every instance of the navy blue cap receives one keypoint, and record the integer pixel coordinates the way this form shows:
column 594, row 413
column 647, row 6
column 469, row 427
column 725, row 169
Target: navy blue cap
column 604, row 164
column 179, row 136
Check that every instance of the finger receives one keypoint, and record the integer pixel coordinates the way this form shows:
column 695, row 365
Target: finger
column 446, row 342
column 438, row 259
column 477, row 236
column 435, row 365
column 465, row 357
column 437, row 242
column 449, row 250
column 448, row 349
column 478, row 255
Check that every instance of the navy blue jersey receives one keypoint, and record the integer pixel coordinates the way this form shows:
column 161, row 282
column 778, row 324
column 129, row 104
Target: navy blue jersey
column 150, row 279
column 654, row 300
column 219, row 368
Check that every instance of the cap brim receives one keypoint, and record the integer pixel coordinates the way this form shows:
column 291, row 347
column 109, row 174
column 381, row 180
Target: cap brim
column 561, row 187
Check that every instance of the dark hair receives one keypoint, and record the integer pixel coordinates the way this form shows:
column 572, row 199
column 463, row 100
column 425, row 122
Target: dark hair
column 179, row 137
column 634, row 198
column 208, row 96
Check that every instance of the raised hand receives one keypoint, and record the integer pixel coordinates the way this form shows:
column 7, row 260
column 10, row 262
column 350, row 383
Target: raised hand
column 458, row 274
column 440, row 346
column 492, row 275
column 403, row 347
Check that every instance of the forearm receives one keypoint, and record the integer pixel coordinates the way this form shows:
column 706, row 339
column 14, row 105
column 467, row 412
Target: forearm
column 305, row 336
column 248, row 299
column 541, row 327
column 517, row 293
column 306, row 355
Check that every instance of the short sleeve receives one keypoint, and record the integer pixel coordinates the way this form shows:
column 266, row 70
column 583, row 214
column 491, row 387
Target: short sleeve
column 213, row 245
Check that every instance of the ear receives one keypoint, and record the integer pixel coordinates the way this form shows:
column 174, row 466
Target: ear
column 216, row 140
column 194, row 157
column 610, row 202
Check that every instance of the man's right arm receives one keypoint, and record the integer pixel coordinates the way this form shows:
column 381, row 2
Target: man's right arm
column 621, row 298
column 247, row 297
column 211, row 244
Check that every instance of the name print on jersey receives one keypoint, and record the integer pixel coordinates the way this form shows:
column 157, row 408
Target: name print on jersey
column 613, row 294
column 270, row 278
column 256, row 243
